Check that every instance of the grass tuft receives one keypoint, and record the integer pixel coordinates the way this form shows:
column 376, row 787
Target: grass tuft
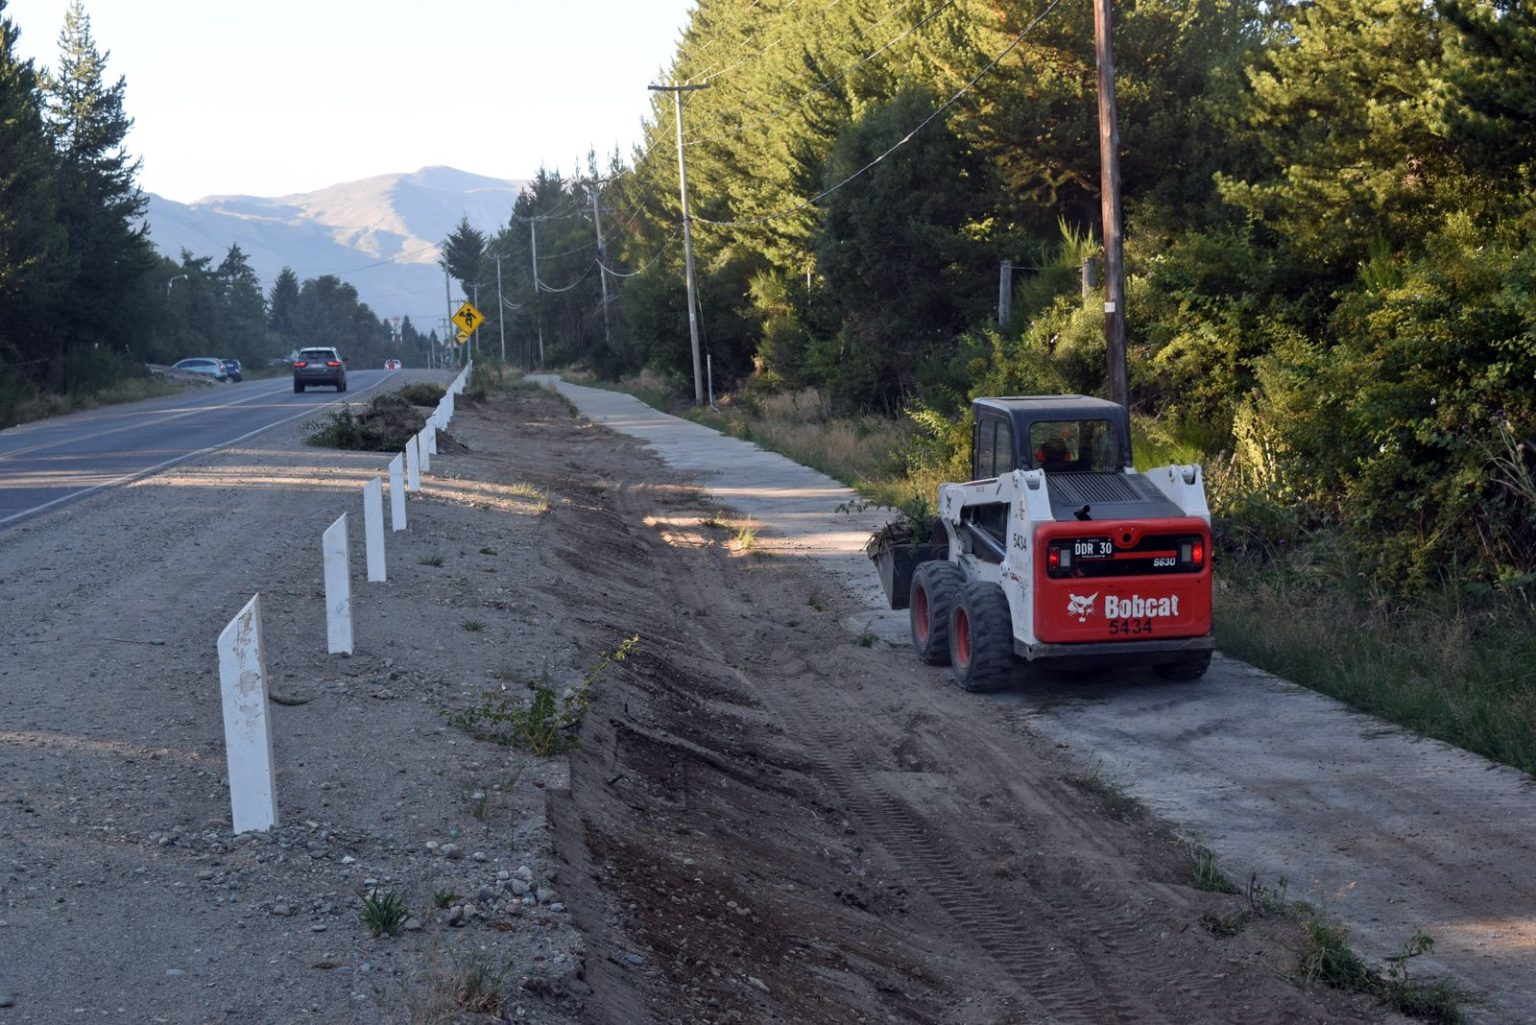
column 474, row 626
column 431, row 560
column 384, row 913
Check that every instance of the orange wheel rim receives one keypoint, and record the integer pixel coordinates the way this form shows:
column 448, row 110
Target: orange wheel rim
column 962, row 638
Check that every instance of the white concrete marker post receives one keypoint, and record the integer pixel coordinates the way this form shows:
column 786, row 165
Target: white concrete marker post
column 338, row 589
column 396, row 494
column 413, row 463
column 431, row 434
column 373, row 529
column 247, row 730
column 424, row 447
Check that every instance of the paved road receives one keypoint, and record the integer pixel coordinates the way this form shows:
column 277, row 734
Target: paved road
column 50, row 462
column 1387, row 832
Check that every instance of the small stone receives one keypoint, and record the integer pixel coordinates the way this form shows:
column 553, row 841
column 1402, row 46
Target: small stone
column 456, row 915
column 557, row 907
column 479, row 856
column 175, row 972
column 282, row 910
column 206, row 874
column 7, row 1000
column 412, row 925
column 545, row 894
column 451, row 851
column 519, row 887
column 524, row 873
column 319, row 928
column 634, row 959
column 348, row 860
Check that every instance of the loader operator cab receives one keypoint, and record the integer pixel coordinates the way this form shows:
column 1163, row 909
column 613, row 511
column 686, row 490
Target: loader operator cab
column 1055, row 433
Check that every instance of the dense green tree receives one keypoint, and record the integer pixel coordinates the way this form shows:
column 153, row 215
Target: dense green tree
column 1348, row 111
column 99, row 200
column 34, row 258
column 242, row 327
column 282, row 308
column 893, row 251
column 463, row 251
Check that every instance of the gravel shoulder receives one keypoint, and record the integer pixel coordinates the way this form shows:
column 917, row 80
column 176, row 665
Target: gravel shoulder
column 771, row 816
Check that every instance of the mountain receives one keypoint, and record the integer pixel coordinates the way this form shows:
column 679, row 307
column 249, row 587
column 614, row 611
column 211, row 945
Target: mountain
column 380, row 234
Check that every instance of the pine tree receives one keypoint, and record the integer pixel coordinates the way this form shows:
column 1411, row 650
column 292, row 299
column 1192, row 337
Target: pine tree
column 100, row 204
column 34, row 260
column 283, row 308
column 463, row 251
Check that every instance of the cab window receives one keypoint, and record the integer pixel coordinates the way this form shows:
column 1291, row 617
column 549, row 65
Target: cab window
column 1074, row 446
column 992, row 448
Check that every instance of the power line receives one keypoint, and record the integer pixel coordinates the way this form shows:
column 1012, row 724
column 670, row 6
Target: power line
column 556, row 291
column 904, row 139
column 645, row 266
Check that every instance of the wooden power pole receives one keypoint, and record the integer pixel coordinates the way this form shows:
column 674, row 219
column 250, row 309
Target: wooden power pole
column 1109, row 188
column 682, row 182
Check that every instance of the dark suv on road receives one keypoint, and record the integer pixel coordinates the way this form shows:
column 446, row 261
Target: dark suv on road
column 319, row 366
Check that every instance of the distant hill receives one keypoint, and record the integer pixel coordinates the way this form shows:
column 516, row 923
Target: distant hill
column 380, row 234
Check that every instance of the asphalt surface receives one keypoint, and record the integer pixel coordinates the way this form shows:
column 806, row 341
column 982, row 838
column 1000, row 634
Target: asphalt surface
column 1379, row 830
column 50, row 462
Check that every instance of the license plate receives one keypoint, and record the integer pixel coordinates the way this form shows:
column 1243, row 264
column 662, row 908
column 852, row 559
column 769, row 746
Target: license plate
column 1093, row 548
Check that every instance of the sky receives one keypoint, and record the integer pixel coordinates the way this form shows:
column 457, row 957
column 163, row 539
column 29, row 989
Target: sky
column 290, row 96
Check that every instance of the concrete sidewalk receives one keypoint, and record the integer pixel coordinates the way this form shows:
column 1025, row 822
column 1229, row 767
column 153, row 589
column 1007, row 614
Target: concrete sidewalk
column 1388, row 832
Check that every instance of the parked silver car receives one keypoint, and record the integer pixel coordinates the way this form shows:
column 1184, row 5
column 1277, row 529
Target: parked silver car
column 205, row 365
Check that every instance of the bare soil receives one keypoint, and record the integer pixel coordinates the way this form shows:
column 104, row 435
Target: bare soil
column 770, row 817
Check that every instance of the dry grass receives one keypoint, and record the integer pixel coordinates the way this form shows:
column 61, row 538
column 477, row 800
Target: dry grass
column 135, row 389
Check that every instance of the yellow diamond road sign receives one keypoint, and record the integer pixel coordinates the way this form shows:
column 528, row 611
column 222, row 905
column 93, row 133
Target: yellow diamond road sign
column 468, row 318
column 463, row 337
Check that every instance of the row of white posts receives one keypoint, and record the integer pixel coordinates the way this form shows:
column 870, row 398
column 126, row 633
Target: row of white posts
column 242, row 657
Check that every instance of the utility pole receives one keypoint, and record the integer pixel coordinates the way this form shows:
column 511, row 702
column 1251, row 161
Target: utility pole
column 1005, row 293
column 682, row 181
column 501, row 311
column 602, row 271
column 1109, row 188
column 538, row 302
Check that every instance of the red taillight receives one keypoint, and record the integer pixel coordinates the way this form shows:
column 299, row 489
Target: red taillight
column 332, row 363
column 300, row 363
column 1199, row 554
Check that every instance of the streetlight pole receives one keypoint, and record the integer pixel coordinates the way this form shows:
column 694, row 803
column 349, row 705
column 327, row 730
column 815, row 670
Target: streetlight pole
column 168, row 284
column 1109, row 210
column 682, row 181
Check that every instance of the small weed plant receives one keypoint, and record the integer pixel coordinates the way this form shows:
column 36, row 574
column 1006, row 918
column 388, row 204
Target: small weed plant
column 385, row 913
column 474, row 626
column 1328, row 959
column 1205, row 875
column 431, row 560
column 1117, row 800
column 545, row 724
column 487, row 550
column 443, row 899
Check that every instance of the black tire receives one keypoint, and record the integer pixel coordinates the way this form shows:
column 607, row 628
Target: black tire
column 1190, row 667
column 341, row 386
column 981, row 638
column 298, row 388
column 935, row 588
